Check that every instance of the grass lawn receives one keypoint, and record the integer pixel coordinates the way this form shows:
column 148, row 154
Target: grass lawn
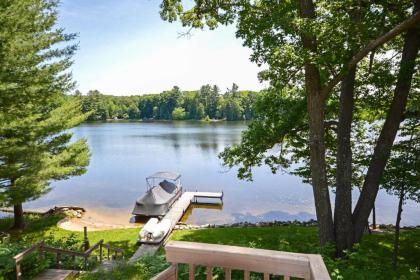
column 371, row 259
column 39, row 229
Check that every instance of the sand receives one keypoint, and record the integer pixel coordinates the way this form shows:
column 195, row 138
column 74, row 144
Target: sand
column 99, row 219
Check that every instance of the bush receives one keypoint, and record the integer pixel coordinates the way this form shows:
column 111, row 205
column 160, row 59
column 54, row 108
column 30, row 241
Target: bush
column 144, row 269
column 178, row 114
column 30, row 266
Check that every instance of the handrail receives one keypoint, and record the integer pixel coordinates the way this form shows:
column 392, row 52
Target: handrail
column 42, row 248
column 268, row 262
column 113, row 248
column 28, row 251
column 167, row 274
column 91, row 249
column 62, row 251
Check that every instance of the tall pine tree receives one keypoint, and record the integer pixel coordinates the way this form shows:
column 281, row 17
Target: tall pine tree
column 35, row 112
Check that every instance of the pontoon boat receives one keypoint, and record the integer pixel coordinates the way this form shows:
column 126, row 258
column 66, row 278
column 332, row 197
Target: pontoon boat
column 163, row 189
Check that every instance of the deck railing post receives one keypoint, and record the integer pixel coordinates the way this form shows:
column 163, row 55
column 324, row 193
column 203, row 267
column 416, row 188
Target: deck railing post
column 209, row 273
column 228, row 274
column 191, row 269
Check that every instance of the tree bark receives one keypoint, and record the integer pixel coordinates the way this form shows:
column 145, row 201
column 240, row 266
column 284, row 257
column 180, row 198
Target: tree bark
column 19, row 222
column 389, row 130
column 374, row 216
column 342, row 213
column 316, row 112
column 397, row 230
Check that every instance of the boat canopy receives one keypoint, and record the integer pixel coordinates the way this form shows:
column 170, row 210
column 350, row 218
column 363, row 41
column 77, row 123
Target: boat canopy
column 165, row 175
column 160, row 196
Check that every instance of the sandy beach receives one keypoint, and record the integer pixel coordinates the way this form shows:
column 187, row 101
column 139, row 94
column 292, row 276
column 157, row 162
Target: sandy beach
column 99, row 219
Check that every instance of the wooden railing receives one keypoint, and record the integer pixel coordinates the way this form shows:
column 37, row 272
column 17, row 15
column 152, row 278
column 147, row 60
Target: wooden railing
column 268, row 262
column 41, row 248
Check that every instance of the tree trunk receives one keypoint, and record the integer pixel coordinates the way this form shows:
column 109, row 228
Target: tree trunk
column 316, row 111
column 374, row 216
column 342, row 213
column 389, row 130
column 19, row 222
column 397, row 231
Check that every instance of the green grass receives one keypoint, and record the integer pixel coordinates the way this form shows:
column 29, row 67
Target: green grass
column 371, row 259
column 42, row 228
column 46, row 229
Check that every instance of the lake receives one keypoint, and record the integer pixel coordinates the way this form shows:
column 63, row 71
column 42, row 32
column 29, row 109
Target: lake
column 125, row 153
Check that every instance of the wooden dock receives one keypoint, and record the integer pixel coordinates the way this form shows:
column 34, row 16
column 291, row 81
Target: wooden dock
column 175, row 214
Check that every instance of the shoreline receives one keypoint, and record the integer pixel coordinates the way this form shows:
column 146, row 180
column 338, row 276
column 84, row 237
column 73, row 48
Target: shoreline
column 104, row 219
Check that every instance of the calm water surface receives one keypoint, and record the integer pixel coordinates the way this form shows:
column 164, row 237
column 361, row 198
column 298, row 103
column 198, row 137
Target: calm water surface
column 124, row 153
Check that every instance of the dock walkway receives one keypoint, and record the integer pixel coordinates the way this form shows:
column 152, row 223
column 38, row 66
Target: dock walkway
column 175, row 214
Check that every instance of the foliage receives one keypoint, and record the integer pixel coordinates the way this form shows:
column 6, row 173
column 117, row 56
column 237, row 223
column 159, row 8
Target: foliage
column 178, row 114
column 46, row 229
column 32, row 160
column 279, row 118
column 143, row 269
column 34, row 111
column 31, row 265
column 172, row 105
column 402, row 174
column 371, row 259
column 308, row 48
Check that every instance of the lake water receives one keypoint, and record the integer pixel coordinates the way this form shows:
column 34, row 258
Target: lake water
column 125, row 153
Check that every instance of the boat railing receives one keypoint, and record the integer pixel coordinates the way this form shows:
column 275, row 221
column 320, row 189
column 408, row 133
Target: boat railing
column 267, row 262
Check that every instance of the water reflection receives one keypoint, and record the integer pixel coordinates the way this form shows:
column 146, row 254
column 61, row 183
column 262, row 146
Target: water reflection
column 208, row 206
column 125, row 153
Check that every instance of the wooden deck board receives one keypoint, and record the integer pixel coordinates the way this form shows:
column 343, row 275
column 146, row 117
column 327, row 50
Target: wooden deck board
column 57, row 274
column 174, row 214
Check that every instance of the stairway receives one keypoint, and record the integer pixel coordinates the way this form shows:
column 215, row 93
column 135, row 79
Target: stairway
column 57, row 274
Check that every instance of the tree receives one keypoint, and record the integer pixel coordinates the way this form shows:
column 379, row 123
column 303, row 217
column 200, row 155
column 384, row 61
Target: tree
column 299, row 42
column 34, row 112
column 402, row 174
column 197, row 104
column 178, row 114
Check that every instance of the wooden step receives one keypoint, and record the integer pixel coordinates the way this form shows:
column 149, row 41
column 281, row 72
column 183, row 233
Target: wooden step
column 57, row 274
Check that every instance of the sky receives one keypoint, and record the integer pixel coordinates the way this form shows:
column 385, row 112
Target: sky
column 125, row 48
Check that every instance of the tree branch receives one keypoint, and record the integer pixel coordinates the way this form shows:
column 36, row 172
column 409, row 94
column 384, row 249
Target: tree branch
column 400, row 28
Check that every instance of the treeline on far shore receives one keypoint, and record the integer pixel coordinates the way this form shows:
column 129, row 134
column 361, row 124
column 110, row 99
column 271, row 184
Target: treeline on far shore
column 206, row 103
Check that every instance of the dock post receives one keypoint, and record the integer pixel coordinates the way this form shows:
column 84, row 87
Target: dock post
column 85, row 240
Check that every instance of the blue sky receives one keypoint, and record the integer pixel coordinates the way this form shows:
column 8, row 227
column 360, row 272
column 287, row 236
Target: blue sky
column 125, row 48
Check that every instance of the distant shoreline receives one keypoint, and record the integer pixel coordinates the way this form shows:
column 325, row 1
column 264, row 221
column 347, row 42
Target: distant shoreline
column 162, row 120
